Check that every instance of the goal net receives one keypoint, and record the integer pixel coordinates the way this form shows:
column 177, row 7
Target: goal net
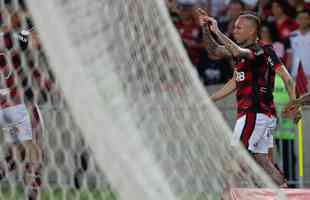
column 125, row 114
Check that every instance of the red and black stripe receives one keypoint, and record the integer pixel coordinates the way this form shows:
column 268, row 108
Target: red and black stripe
column 248, row 128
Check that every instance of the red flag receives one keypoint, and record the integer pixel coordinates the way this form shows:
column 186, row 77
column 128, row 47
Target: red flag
column 301, row 81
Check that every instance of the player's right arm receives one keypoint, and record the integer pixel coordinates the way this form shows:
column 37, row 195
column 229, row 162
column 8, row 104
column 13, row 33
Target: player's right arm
column 226, row 90
column 213, row 47
column 234, row 49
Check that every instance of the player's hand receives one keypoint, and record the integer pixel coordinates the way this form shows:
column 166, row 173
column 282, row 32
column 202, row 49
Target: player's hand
column 213, row 25
column 205, row 19
column 202, row 16
column 172, row 5
column 293, row 110
column 292, row 107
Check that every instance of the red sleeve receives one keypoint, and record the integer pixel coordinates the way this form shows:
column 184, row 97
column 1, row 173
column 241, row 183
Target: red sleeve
column 277, row 66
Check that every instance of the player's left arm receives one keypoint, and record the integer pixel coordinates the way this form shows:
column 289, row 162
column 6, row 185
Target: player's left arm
column 274, row 62
column 294, row 113
column 288, row 81
column 233, row 48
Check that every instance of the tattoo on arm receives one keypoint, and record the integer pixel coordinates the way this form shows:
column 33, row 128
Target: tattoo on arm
column 233, row 48
column 212, row 46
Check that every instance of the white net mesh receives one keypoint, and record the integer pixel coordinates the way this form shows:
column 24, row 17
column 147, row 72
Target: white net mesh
column 133, row 106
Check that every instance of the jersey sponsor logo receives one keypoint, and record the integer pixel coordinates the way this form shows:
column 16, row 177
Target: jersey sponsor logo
column 263, row 89
column 240, row 76
column 270, row 61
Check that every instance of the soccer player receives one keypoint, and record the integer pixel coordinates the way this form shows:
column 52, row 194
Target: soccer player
column 255, row 66
column 15, row 116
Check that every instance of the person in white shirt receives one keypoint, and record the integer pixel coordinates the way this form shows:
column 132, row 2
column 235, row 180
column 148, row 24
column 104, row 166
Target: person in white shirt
column 299, row 44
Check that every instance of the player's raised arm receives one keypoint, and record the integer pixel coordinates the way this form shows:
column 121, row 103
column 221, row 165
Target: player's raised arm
column 231, row 46
column 212, row 46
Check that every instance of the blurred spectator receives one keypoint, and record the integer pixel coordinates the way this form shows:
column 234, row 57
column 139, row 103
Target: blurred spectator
column 22, row 5
column 9, row 5
column 213, row 70
column 284, row 23
column 190, row 32
column 215, row 7
column 15, row 21
column 250, row 4
column 299, row 44
column 263, row 8
column 269, row 36
column 173, row 10
column 226, row 23
column 307, row 4
column 297, row 4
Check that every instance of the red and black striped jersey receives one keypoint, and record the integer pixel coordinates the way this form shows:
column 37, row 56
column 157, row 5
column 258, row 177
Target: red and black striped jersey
column 16, row 76
column 255, row 80
column 12, row 75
